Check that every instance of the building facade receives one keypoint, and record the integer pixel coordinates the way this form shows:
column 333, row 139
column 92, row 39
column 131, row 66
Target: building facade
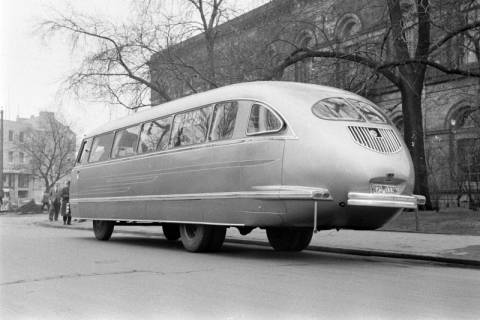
column 249, row 46
column 20, row 181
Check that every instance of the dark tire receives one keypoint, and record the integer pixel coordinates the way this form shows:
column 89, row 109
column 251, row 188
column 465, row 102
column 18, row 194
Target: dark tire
column 103, row 229
column 171, row 231
column 218, row 237
column 202, row 238
column 289, row 239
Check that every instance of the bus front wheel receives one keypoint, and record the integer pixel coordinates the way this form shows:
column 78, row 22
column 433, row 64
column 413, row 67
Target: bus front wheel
column 289, row 239
column 103, row 229
column 202, row 238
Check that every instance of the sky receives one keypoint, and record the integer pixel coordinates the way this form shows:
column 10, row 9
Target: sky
column 32, row 69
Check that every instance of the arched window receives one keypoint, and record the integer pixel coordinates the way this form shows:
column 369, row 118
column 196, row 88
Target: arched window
column 465, row 118
column 303, row 69
column 397, row 120
column 463, row 123
column 347, row 73
column 347, row 26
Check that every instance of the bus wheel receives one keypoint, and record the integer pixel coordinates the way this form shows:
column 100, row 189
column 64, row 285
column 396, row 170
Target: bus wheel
column 171, row 231
column 289, row 239
column 202, row 238
column 103, row 229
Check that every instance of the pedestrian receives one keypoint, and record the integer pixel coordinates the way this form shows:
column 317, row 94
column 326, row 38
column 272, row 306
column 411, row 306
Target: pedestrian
column 65, row 195
column 45, row 201
column 54, row 198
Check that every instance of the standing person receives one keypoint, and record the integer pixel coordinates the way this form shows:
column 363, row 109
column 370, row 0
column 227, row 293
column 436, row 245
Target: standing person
column 65, row 195
column 45, row 201
column 1, row 197
column 54, row 203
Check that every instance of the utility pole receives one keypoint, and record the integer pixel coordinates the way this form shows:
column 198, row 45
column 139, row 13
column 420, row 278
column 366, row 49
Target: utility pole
column 1, row 152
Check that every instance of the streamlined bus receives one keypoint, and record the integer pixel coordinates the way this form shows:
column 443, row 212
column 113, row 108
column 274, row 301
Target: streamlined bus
column 290, row 158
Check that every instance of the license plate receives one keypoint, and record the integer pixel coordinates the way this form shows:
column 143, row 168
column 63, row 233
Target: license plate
column 384, row 188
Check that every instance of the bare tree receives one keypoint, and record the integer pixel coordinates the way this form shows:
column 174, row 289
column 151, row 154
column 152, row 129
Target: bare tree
column 51, row 150
column 410, row 32
column 117, row 68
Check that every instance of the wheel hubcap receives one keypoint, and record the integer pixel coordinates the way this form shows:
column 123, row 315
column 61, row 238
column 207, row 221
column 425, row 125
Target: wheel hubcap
column 191, row 231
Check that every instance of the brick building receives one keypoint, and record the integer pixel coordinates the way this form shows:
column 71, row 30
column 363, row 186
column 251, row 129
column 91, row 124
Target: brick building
column 249, row 45
column 20, row 184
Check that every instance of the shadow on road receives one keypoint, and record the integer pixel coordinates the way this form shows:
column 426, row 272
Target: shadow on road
column 247, row 252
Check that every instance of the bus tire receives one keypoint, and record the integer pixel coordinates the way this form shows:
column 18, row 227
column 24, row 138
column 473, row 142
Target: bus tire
column 171, row 231
column 201, row 238
column 218, row 237
column 289, row 239
column 103, row 229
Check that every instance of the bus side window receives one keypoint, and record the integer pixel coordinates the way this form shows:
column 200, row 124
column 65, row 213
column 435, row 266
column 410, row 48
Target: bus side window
column 263, row 120
column 154, row 135
column 191, row 127
column 224, row 117
column 101, row 147
column 85, row 151
column 125, row 142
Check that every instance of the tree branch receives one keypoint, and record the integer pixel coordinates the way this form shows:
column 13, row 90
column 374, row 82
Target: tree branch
column 452, row 34
column 304, row 53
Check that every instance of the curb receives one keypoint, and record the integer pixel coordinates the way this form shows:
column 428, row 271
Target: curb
column 371, row 253
column 349, row 251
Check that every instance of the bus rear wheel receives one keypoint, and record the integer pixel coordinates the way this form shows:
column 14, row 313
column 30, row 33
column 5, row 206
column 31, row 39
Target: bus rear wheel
column 289, row 239
column 171, row 231
column 202, row 238
column 103, row 229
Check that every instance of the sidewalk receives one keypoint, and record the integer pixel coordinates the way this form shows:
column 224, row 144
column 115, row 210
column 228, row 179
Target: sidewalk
column 457, row 249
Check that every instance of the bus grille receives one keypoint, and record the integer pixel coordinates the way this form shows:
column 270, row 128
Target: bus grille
column 378, row 139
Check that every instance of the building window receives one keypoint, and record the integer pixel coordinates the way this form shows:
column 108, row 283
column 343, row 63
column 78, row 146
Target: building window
column 348, row 26
column 347, row 72
column 303, row 69
column 10, row 156
column 21, row 157
column 21, row 136
column 465, row 131
column 465, row 118
column 398, row 122
column 10, row 135
column 8, row 180
column 23, row 194
column 23, row 181
column 472, row 38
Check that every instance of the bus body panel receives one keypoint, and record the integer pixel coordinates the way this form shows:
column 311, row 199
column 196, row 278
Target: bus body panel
column 210, row 183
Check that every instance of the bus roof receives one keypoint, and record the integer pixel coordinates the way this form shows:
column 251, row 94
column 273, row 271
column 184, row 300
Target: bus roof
column 279, row 94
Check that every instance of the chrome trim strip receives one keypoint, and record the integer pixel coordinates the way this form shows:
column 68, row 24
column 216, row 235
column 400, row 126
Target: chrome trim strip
column 261, row 192
column 166, row 221
column 298, row 191
column 382, row 200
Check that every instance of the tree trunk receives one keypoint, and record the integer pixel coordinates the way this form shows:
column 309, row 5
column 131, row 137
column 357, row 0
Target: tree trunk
column 411, row 92
column 210, row 43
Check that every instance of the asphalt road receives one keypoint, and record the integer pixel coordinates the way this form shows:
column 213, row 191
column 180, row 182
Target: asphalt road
column 56, row 273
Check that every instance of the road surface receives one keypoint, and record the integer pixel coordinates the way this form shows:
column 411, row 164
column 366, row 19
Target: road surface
column 56, row 273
